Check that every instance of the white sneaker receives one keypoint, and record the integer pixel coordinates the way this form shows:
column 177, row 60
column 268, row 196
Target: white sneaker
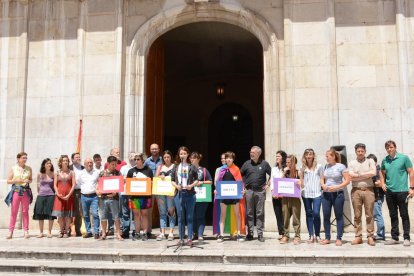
column 406, row 243
column 171, row 237
column 161, row 237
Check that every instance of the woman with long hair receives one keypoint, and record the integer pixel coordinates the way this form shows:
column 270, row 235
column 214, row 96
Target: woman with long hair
column 200, row 208
column 20, row 176
column 166, row 203
column 310, row 176
column 277, row 172
column 184, row 177
column 333, row 181
column 291, row 205
column 140, row 204
column 231, row 209
column 45, row 198
column 64, row 184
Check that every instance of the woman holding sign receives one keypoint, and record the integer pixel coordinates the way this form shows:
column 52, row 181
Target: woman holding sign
column 334, row 179
column 200, row 209
column 166, row 203
column 310, row 176
column 291, row 205
column 231, row 173
column 184, row 178
column 140, row 204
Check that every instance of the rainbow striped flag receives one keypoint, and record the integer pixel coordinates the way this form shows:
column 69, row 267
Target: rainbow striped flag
column 230, row 225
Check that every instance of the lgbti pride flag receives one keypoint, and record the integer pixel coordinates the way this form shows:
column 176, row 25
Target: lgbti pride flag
column 230, row 225
column 79, row 144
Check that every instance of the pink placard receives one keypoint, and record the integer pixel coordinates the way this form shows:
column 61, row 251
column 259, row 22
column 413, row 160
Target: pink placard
column 286, row 187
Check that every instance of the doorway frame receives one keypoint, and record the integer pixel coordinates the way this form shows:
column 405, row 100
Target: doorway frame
column 165, row 21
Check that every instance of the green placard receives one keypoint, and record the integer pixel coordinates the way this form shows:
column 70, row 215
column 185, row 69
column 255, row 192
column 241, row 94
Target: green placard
column 203, row 193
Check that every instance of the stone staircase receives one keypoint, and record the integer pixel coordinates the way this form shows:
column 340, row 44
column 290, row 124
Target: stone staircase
column 75, row 256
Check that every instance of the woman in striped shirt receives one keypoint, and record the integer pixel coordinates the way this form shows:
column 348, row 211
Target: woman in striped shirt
column 310, row 177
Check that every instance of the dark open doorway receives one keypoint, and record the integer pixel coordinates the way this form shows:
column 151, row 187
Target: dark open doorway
column 186, row 66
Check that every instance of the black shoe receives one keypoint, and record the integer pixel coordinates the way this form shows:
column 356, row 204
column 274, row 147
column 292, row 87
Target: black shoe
column 136, row 237
column 260, row 238
column 144, row 237
column 249, row 237
column 87, row 235
column 149, row 235
column 96, row 237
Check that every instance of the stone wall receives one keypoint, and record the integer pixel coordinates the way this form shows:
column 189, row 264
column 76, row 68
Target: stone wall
column 336, row 72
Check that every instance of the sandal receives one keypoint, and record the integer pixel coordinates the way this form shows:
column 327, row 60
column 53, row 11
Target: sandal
column 9, row 236
column 49, row 236
column 40, row 236
column 101, row 238
column 119, row 238
column 26, row 235
column 311, row 240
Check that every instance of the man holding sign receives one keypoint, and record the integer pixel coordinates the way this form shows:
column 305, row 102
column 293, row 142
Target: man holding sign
column 254, row 173
column 108, row 199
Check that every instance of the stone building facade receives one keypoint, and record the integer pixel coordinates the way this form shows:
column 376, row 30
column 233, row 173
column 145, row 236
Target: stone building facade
column 335, row 72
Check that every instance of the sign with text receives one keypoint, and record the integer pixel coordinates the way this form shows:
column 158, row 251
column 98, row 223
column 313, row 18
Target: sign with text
column 111, row 184
column 162, row 186
column 229, row 190
column 286, row 187
column 138, row 186
column 203, row 193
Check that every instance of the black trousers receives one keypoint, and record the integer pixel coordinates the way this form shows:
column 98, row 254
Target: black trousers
column 395, row 202
column 277, row 208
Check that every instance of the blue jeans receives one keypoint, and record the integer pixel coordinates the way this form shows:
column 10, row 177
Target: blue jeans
column 313, row 216
column 165, row 203
column 335, row 200
column 90, row 204
column 186, row 201
column 200, row 217
column 127, row 217
column 379, row 219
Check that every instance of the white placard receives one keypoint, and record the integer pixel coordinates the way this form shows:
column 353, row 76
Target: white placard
column 201, row 192
column 138, row 186
column 110, row 184
column 228, row 189
column 164, row 186
column 286, row 187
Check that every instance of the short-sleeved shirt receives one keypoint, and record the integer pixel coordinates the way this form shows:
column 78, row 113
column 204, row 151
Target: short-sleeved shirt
column 254, row 174
column 202, row 176
column 333, row 174
column 153, row 164
column 312, row 182
column 361, row 168
column 396, row 175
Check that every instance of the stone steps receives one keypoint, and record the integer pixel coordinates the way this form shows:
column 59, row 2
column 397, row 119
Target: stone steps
column 149, row 268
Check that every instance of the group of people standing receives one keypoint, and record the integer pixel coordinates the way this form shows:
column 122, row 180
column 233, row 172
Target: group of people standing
column 72, row 190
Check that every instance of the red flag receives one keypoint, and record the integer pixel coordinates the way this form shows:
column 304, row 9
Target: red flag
column 78, row 147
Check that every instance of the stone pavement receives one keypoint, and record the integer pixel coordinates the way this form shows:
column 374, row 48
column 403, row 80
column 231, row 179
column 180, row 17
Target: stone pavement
column 89, row 256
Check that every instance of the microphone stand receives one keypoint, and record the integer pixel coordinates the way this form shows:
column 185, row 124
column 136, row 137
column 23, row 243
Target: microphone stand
column 181, row 244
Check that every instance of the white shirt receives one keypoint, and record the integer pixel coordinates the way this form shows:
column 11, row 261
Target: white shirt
column 77, row 170
column 124, row 171
column 88, row 181
column 276, row 173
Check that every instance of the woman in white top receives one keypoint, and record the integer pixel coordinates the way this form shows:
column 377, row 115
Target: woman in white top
column 166, row 205
column 277, row 172
column 310, row 176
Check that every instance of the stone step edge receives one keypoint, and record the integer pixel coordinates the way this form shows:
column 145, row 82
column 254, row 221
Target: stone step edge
column 328, row 258
column 46, row 266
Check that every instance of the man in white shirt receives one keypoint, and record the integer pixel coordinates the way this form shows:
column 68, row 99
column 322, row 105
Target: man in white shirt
column 87, row 180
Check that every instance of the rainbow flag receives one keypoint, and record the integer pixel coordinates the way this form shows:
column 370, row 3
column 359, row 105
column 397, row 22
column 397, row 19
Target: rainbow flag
column 230, row 225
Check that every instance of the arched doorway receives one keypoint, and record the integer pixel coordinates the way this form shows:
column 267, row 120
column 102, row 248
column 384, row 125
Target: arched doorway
column 152, row 29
